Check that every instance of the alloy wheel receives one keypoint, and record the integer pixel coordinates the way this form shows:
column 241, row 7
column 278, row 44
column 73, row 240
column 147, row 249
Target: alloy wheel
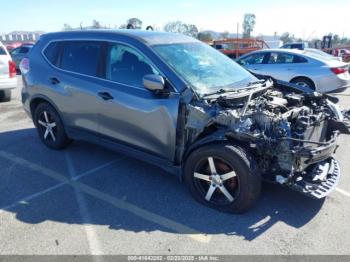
column 48, row 126
column 216, row 180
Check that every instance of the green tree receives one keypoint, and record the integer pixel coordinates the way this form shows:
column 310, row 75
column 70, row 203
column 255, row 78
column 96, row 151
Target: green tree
column 248, row 25
column 205, row 36
column 336, row 39
column 286, row 38
column 67, row 27
column 135, row 22
column 96, row 24
column 181, row 28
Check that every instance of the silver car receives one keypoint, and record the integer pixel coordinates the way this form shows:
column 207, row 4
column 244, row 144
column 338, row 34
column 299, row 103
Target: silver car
column 303, row 67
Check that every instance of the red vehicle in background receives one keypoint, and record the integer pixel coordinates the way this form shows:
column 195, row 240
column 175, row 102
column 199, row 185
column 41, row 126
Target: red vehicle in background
column 11, row 46
column 14, row 45
column 343, row 53
column 236, row 47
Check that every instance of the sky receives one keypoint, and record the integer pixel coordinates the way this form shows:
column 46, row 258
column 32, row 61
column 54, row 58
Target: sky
column 303, row 18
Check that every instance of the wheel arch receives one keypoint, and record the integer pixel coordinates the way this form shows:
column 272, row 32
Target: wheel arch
column 214, row 138
column 304, row 77
column 38, row 99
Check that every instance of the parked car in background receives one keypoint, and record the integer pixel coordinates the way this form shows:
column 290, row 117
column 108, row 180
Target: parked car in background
column 299, row 45
column 14, row 45
column 19, row 53
column 306, row 68
column 342, row 53
column 177, row 103
column 8, row 78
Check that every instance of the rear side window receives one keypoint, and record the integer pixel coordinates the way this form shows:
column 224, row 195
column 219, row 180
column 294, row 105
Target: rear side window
column 299, row 59
column 2, row 51
column 80, row 57
column 280, row 58
column 51, row 52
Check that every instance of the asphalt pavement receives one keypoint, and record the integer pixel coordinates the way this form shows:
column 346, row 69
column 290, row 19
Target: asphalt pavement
column 89, row 200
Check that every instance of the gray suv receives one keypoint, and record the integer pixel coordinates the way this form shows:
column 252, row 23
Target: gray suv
column 177, row 103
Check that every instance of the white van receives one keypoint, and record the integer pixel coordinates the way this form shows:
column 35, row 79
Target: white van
column 8, row 78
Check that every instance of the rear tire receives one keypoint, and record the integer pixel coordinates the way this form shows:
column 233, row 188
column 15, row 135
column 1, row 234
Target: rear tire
column 5, row 95
column 236, row 185
column 50, row 127
column 303, row 81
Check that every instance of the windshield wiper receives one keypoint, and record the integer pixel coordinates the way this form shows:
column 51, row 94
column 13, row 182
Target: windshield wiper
column 249, row 86
column 220, row 91
column 261, row 81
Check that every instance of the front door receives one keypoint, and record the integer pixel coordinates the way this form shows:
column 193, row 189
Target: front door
column 129, row 113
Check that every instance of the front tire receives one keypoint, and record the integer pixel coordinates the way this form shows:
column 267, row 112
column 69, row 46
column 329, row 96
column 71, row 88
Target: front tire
column 223, row 177
column 50, row 127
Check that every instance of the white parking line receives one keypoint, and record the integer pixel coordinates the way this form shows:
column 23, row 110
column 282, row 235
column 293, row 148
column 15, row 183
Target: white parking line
column 31, row 197
column 116, row 202
column 94, row 244
column 45, row 191
column 341, row 191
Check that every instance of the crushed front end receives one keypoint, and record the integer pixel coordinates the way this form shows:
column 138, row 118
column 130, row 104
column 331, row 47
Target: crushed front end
column 292, row 133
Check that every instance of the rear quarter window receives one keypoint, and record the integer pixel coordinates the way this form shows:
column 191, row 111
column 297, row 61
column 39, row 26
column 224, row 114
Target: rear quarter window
column 299, row 59
column 51, row 52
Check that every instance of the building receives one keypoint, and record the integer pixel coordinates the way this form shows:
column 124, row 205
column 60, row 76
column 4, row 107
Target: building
column 20, row 36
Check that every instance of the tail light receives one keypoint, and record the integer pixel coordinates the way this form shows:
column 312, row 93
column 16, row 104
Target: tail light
column 12, row 69
column 24, row 66
column 339, row 70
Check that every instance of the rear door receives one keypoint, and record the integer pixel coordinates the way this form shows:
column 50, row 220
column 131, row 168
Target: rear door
column 73, row 85
column 283, row 66
column 129, row 113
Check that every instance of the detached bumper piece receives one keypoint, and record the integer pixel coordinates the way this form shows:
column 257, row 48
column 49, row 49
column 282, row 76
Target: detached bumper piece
column 320, row 181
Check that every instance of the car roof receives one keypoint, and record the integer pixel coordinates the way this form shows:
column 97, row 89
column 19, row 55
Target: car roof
column 279, row 50
column 146, row 36
column 294, row 43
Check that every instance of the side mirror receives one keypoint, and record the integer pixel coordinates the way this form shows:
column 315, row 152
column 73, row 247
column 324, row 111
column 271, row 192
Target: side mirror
column 154, row 82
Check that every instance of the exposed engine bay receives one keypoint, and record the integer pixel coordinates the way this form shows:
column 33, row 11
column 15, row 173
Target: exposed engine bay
column 292, row 133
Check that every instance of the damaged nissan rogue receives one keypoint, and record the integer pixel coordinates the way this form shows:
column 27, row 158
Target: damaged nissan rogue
column 177, row 103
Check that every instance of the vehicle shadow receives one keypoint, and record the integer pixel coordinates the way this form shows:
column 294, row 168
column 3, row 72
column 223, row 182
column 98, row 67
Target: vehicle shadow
column 142, row 185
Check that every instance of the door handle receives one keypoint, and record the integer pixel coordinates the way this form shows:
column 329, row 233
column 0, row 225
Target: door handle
column 105, row 96
column 54, row 80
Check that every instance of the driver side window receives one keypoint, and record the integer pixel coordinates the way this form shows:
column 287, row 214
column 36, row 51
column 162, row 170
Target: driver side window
column 126, row 65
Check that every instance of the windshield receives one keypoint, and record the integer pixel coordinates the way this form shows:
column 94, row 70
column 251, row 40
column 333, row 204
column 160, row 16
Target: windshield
column 205, row 69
